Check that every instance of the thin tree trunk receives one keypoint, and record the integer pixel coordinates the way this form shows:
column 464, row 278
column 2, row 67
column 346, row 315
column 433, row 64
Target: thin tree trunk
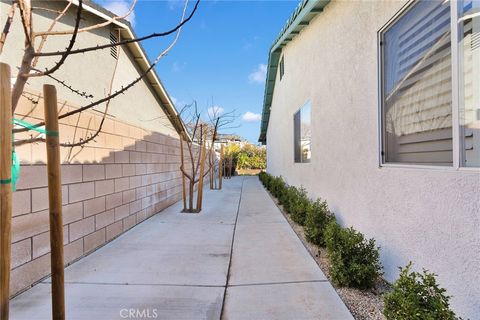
column 191, row 194
column 22, row 77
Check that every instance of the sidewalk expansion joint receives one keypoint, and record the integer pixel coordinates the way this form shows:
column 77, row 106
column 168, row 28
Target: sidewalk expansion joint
column 275, row 283
column 141, row 284
column 231, row 251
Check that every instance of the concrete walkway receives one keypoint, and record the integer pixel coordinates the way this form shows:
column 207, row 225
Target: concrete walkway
column 238, row 259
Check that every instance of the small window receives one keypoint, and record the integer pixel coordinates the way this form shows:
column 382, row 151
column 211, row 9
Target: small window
column 282, row 68
column 113, row 50
column 417, row 86
column 302, row 134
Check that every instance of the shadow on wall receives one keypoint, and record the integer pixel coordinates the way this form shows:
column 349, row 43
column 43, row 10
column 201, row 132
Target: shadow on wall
column 108, row 186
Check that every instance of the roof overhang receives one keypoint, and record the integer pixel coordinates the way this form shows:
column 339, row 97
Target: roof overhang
column 141, row 59
column 301, row 17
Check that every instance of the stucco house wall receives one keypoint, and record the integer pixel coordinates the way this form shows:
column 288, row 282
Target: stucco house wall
column 129, row 173
column 428, row 216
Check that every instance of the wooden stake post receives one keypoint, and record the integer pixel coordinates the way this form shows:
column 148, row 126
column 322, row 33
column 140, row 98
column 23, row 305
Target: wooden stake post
column 220, row 168
column 55, row 202
column 203, row 152
column 5, row 188
column 183, row 176
column 211, row 162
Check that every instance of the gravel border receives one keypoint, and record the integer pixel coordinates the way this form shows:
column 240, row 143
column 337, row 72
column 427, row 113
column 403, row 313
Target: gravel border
column 363, row 304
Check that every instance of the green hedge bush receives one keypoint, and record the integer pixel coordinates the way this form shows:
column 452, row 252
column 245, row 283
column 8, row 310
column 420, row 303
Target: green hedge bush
column 263, row 176
column 417, row 296
column 277, row 186
column 317, row 218
column 298, row 205
column 286, row 197
column 355, row 261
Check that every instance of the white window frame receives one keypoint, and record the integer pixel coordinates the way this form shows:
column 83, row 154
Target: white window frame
column 456, row 99
column 299, row 110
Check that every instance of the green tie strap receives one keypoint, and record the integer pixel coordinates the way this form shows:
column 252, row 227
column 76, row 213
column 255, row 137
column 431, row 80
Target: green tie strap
column 15, row 170
column 34, row 127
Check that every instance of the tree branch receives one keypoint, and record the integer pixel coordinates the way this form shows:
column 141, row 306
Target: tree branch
column 31, row 99
column 123, row 89
column 99, row 25
column 94, row 135
column 185, row 173
column 68, row 49
column 52, row 25
column 120, row 43
column 26, row 14
column 45, row 9
column 8, row 23
column 69, row 87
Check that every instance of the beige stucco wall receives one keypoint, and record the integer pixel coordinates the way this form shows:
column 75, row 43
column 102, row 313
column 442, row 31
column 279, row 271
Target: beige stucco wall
column 90, row 72
column 428, row 216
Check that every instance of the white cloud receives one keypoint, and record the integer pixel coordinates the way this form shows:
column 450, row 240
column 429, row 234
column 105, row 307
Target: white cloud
column 215, row 111
column 258, row 75
column 251, row 117
column 174, row 4
column 178, row 67
column 120, row 8
column 178, row 103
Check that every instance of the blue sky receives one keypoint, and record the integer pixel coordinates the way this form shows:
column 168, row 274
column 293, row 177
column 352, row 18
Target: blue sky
column 221, row 56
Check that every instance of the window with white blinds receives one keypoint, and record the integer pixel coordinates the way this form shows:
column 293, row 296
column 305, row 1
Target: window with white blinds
column 417, row 86
column 427, row 116
column 469, row 24
column 302, row 134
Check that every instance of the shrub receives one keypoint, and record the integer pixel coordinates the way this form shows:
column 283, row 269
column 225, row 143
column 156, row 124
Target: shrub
column 268, row 181
column 277, row 186
column 317, row 218
column 354, row 260
column 287, row 197
column 262, row 176
column 417, row 296
column 298, row 205
column 282, row 197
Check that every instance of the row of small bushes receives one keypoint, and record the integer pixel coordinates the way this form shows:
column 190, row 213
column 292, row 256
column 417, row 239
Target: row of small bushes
column 355, row 260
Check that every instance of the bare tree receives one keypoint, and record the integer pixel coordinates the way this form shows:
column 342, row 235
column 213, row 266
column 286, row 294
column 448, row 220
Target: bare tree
column 218, row 121
column 195, row 152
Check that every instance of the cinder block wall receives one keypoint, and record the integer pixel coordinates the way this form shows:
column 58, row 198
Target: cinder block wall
column 127, row 175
